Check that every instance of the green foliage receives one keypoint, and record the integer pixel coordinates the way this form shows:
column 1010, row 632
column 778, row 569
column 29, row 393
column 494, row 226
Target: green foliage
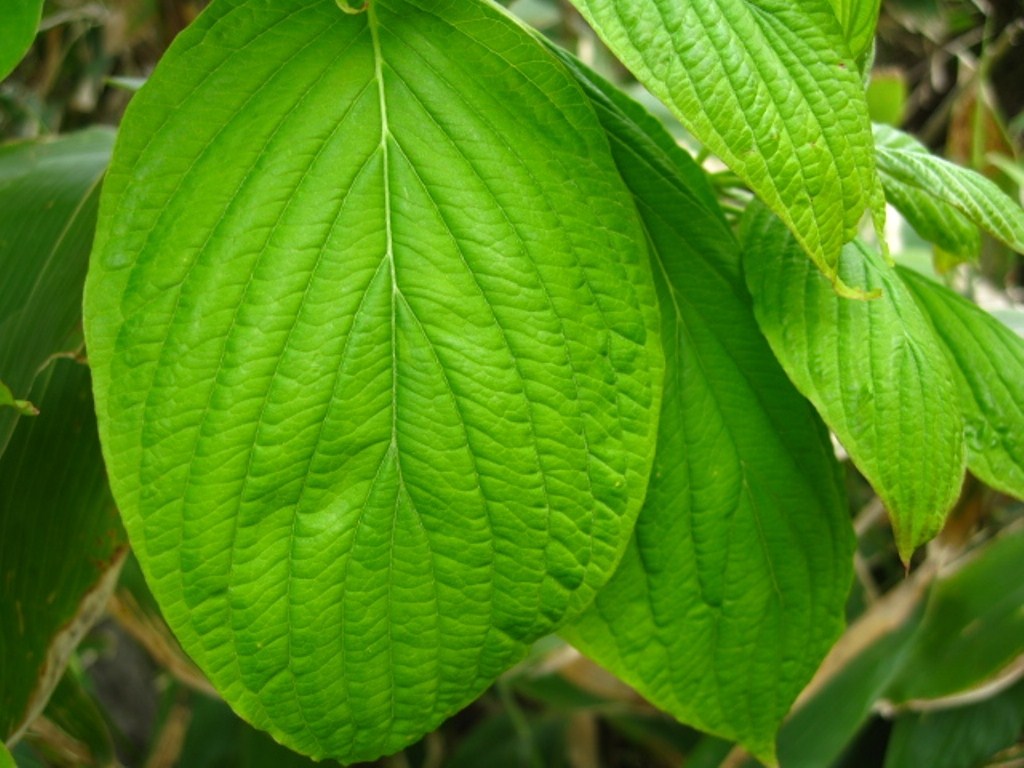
column 745, row 488
column 944, row 202
column 20, row 20
column 52, row 567
column 395, row 420
column 770, row 87
column 873, row 369
column 416, row 346
column 930, row 644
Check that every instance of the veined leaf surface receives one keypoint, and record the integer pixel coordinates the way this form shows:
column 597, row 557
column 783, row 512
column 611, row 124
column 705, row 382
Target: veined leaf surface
column 377, row 357
column 874, row 370
column 771, row 88
column 987, row 360
column 734, row 585
column 858, row 19
column 926, row 188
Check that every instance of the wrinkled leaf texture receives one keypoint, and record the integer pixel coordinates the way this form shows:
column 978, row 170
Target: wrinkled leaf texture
column 734, row 585
column 771, row 88
column 943, row 201
column 377, row 357
column 987, row 360
column 874, row 370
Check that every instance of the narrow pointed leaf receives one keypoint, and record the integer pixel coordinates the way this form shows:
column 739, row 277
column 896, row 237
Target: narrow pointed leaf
column 48, row 196
column 771, row 88
column 987, row 360
column 59, row 532
column 734, row 585
column 60, row 542
column 377, row 358
column 927, row 188
column 953, row 738
column 874, row 370
column 18, row 30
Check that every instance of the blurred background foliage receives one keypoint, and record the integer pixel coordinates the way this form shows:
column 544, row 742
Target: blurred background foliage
column 949, row 71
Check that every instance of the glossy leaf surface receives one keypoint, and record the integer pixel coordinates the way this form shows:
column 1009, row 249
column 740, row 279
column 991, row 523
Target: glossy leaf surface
column 987, row 360
column 734, row 585
column 874, row 369
column 377, row 357
column 771, row 88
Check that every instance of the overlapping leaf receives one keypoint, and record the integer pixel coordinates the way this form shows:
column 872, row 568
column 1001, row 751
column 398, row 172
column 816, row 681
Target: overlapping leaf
column 48, row 196
column 988, row 364
column 59, row 533
column 771, row 88
column 377, row 357
column 858, row 19
column 734, row 585
column 944, row 202
column 60, row 542
column 874, row 369
column 950, row 637
column 18, row 30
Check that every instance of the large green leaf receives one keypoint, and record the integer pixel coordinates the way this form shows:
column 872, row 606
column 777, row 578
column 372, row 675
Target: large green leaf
column 60, row 542
column 18, row 30
column 377, row 357
column 771, row 88
column 48, row 196
column 936, row 195
column 734, row 585
column 988, row 364
column 874, row 369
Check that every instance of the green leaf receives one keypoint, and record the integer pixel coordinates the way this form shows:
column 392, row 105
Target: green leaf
column 771, row 88
column 928, row 190
column 48, row 196
column 18, row 30
column 987, row 360
column 377, row 358
column 60, row 542
column 734, row 585
column 929, row 643
column 972, row 629
column 858, row 19
column 6, row 761
column 953, row 738
column 874, row 370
